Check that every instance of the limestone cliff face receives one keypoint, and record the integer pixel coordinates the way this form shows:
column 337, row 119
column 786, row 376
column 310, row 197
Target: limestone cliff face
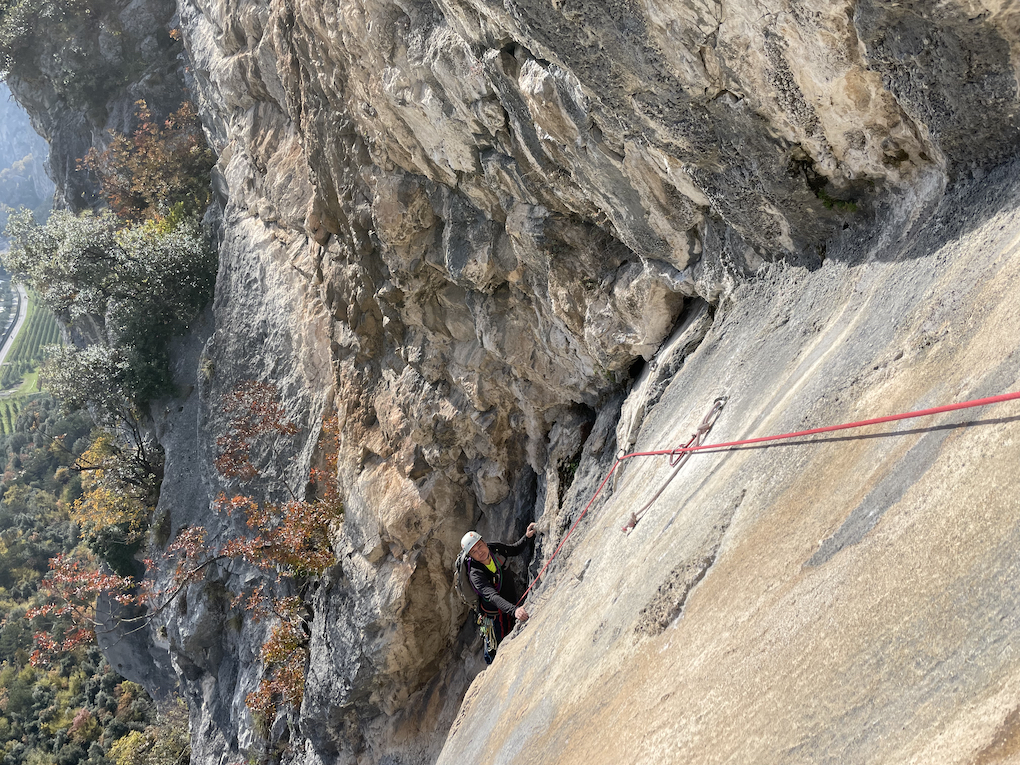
column 503, row 206
column 465, row 225
column 838, row 599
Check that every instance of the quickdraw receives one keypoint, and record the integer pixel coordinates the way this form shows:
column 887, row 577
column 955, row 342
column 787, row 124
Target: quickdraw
column 677, row 455
column 678, row 458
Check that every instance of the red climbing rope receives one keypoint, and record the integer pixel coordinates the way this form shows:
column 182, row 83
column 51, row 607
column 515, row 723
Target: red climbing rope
column 831, row 428
column 694, row 445
column 565, row 538
column 676, row 462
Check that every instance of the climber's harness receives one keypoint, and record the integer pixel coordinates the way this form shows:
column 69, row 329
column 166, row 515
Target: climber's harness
column 484, row 618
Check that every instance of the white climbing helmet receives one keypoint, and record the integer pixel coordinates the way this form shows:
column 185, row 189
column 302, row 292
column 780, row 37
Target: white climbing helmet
column 468, row 541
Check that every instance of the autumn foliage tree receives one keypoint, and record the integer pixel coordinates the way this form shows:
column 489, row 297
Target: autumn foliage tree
column 68, row 619
column 289, row 541
column 163, row 165
column 120, row 486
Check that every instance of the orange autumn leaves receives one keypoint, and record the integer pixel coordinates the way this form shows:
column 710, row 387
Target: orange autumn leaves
column 161, row 165
column 288, row 541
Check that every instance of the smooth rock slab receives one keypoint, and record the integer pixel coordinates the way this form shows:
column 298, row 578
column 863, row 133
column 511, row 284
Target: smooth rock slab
column 844, row 599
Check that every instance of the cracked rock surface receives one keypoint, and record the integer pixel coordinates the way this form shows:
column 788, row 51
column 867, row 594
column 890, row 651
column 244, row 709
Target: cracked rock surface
column 845, row 598
column 472, row 228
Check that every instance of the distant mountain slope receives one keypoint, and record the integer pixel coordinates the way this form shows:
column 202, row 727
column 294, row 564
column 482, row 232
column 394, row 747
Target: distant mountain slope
column 23, row 153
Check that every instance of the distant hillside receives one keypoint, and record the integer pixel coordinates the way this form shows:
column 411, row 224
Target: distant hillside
column 23, row 154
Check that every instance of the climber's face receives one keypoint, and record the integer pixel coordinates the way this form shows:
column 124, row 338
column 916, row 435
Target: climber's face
column 480, row 552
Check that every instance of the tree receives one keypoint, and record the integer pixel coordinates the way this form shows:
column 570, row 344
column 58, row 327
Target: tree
column 164, row 743
column 163, row 169
column 128, row 289
column 291, row 543
column 69, row 261
column 68, row 619
column 120, row 490
column 288, row 541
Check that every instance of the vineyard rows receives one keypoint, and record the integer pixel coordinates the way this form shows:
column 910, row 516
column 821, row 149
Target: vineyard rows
column 9, row 411
column 40, row 329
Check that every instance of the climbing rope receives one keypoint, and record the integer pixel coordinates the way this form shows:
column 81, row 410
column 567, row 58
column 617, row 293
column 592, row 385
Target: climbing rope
column 830, row 428
column 678, row 458
column 677, row 462
column 678, row 455
column 591, row 502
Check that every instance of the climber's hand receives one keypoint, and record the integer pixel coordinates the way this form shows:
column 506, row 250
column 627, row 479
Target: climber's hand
column 521, row 614
column 531, row 531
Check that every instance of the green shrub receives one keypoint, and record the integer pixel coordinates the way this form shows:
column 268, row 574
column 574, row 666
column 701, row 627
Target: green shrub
column 25, row 24
column 141, row 284
column 58, row 40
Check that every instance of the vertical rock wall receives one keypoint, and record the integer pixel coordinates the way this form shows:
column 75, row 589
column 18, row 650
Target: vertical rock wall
column 82, row 74
column 463, row 223
column 503, row 207
column 843, row 598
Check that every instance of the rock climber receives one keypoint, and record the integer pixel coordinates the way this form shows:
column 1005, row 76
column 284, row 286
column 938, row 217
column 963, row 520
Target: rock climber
column 494, row 585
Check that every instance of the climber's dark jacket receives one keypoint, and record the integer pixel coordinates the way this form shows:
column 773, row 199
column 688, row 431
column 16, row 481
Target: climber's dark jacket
column 497, row 591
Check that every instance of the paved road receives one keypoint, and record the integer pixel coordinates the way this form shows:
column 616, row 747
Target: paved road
column 22, row 313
